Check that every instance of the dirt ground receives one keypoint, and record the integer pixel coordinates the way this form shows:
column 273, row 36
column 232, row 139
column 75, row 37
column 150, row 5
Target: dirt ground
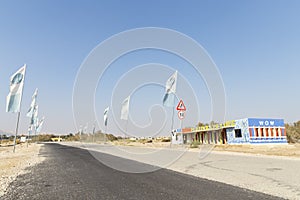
column 291, row 150
column 156, row 144
column 14, row 164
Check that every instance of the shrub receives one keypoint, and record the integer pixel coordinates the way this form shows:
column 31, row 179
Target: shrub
column 194, row 144
column 111, row 137
column 166, row 140
column 293, row 132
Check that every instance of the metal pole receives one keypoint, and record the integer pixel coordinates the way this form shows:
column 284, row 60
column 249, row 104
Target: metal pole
column 80, row 129
column 181, row 123
column 18, row 120
column 126, row 129
column 173, row 108
column 172, row 124
column 93, row 132
column 28, row 135
column 35, row 134
column 16, row 131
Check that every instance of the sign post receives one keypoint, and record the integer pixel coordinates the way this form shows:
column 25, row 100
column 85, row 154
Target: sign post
column 181, row 112
column 181, row 106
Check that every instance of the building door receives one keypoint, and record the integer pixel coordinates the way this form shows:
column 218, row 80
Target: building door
column 224, row 136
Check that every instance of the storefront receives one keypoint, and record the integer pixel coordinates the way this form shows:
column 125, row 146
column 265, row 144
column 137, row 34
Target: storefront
column 242, row 131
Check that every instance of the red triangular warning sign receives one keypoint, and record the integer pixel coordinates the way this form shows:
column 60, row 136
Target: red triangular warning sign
column 181, row 106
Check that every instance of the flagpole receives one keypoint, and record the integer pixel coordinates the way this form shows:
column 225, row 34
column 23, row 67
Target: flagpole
column 28, row 135
column 15, row 138
column 18, row 118
column 126, row 128
column 94, row 131
column 80, row 131
column 34, row 134
column 173, row 108
column 172, row 123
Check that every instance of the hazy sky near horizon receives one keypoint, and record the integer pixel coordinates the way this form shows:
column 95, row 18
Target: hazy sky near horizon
column 254, row 44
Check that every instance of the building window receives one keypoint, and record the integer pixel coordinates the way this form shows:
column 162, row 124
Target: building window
column 238, row 133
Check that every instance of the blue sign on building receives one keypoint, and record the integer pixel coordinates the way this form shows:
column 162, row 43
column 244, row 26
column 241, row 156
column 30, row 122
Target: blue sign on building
column 266, row 122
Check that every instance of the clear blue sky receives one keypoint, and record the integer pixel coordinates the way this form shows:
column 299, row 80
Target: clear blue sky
column 255, row 45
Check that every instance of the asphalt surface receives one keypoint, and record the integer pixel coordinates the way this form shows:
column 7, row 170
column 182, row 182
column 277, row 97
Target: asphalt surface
column 73, row 173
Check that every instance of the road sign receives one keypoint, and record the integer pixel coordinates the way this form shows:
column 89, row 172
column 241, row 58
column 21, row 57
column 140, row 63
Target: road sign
column 181, row 114
column 181, row 106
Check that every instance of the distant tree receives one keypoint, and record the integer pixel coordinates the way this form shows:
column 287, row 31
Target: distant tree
column 293, row 132
column 111, row 137
column 201, row 124
column 45, row 138
column 212, row 123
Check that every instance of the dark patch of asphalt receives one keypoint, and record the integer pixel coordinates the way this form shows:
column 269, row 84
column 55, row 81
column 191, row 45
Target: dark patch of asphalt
column 73, row 173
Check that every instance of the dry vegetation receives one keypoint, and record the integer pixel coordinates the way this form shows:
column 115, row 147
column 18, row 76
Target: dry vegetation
column 293, row 132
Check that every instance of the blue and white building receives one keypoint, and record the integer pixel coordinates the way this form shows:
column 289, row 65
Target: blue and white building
column 241, row 131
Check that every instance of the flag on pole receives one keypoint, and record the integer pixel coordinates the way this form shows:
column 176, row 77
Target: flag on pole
column 29, row 133
column 40, row 125
column 34, row 117
column 13, row 99
column 169, row 97
column 125, row 108
column 85, row 128
column 33, row 103
column 105, row 116
column 80, row 129
column 29, row 130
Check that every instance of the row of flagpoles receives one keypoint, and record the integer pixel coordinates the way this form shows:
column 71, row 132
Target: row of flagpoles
column 168, row 101
column 14, row 101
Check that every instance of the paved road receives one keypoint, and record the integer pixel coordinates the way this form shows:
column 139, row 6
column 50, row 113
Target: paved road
column 73, row 173
column 272, row 175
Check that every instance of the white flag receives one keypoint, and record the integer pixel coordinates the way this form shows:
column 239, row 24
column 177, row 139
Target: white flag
column 34, row 117
column 85, row 128
column 33, row 103
column 125, row 108
column 169, row 98
column 105, row 116
column 13, row 99
column 40, row 125
column 29, row 130
column 171, row 83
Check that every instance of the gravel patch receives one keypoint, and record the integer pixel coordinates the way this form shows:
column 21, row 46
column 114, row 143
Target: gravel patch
column 15, row 164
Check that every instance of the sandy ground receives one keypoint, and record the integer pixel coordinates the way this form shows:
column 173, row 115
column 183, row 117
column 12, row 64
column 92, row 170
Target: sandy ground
column 290, row 150
column 14, row 164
